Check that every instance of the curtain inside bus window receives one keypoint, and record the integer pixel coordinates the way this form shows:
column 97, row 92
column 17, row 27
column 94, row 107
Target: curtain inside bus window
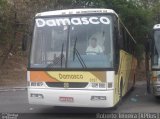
column 47, row 46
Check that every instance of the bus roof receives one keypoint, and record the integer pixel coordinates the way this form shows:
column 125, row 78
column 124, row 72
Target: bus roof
column 75, row 11
column 157, row 26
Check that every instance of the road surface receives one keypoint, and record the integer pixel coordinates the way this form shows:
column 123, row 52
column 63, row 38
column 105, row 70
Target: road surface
column 14, row 101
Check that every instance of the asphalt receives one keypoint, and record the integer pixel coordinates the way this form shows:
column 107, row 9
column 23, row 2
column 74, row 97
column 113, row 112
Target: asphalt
column 14, row 101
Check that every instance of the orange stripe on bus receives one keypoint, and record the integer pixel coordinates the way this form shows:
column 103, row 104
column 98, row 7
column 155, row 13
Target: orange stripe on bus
column 41, row 76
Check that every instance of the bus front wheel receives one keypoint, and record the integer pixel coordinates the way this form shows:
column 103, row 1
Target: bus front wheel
column 121, row 89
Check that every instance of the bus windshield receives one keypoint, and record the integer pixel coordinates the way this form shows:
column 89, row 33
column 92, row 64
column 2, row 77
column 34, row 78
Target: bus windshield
column 72, row 42
column 156, row 50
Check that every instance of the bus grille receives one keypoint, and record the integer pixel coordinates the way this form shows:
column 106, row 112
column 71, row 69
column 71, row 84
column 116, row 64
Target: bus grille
column 70, row 84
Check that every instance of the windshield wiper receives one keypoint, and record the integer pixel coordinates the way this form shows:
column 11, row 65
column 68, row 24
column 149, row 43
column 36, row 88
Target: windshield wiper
column 76, row 53
column 62, row 55
column 74, row 49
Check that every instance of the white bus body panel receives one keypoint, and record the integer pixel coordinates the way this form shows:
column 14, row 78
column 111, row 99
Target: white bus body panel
column 82, row 98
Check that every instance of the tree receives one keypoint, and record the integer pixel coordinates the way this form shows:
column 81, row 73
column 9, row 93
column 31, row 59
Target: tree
column 3, row 18
column 136, row 19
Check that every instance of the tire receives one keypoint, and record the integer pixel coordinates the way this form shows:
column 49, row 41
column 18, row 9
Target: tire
column 120, row 96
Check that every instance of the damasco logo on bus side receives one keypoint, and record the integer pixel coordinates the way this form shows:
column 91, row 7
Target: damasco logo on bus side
column 63, row 76
column 40, row 22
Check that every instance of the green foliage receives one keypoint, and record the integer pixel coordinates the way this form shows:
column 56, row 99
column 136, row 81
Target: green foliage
column 136, row 19
column 87, row 3
column 156, row 12
column 140, row 49
column 4, row 16
column 2, row 5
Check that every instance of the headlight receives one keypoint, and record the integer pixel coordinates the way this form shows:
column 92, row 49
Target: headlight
column 36, row 84
column 98, row 85
column 38, row 96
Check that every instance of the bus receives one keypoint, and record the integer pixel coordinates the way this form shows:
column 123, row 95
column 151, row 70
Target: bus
column 80, row 58
column 154, row 78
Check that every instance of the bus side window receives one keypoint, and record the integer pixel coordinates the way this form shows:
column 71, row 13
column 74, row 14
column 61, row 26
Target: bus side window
column 121, row 37
column 117, row 39
column 125, row 39
column 128, row 47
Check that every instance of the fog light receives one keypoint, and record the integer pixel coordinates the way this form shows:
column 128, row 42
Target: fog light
column 39, row 84
column 94, row 85
column 98, row 85
column 94, row 98
column 36, row 83
column 39, row 96
column 102, row 85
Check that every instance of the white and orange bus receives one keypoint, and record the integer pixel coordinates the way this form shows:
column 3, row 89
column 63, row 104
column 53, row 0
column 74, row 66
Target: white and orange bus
column 80, row 58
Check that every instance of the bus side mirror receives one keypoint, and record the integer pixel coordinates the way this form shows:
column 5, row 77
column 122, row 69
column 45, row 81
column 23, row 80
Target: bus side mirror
column 24, row 43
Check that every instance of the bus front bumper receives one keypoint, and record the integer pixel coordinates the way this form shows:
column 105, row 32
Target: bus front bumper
column 72, row 98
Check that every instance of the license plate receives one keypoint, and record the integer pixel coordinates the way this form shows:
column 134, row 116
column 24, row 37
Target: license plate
column 66, row 99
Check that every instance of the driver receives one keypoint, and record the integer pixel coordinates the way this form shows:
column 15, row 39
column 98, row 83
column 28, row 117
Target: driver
column 94, row 48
